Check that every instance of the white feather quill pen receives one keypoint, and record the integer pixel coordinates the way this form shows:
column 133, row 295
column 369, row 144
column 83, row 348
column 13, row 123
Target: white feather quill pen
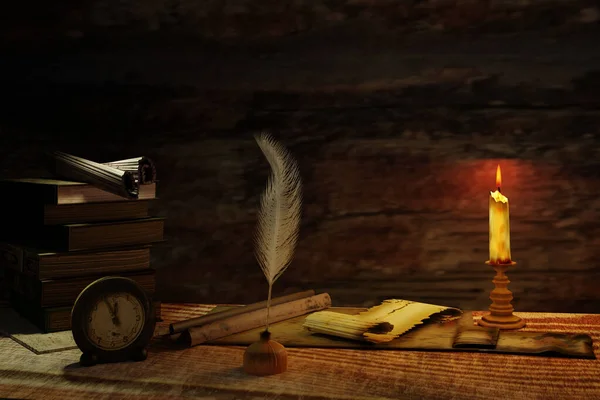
column 279, row 214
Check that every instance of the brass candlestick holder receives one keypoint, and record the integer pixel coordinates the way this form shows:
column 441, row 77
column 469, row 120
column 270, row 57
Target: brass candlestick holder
column 501, row 310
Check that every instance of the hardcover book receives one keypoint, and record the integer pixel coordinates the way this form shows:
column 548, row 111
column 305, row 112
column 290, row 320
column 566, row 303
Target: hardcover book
column 35, row 214
column 89, row 236
column 64, row 292
column 56, row 192
column 42, row 264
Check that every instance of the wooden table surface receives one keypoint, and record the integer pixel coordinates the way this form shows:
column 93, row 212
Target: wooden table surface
column 211, row 372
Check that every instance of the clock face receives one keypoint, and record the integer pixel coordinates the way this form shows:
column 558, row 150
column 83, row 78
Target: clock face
column 115, row 320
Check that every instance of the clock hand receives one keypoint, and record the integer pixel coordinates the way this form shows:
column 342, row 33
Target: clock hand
column 113, row 311
column 115, row 316
column 110, row 309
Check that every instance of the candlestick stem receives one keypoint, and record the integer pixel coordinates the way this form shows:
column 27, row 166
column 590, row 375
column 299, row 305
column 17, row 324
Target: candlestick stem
column 501, row 310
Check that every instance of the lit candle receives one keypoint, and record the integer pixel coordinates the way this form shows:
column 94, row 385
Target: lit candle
column 499, row 225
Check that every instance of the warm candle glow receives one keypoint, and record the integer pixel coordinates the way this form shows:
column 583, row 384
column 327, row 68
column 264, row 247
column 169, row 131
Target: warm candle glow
column 499, row 225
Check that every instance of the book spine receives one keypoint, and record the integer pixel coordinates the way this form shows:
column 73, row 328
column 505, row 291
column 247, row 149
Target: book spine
column 32, row 291
column 11, row 257
column 31, row 264
column 56, row 321
column 48, row 237
column 15, row 284
column 25, row 291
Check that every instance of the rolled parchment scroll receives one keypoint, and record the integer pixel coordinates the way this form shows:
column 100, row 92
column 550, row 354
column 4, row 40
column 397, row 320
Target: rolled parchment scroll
column 142, row 168
column 254, row 319
column 113, row 180
column 181, row 326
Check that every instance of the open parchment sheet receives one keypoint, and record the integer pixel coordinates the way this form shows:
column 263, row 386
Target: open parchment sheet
column 378, row 324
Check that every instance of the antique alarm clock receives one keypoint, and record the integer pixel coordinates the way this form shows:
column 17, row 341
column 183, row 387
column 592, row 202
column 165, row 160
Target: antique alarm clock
column 112, row 320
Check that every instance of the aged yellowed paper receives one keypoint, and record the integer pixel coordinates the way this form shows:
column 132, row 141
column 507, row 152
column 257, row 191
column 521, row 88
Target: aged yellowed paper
column 378, row 324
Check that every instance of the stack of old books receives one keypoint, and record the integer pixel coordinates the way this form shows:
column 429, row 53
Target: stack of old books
column 57, row 237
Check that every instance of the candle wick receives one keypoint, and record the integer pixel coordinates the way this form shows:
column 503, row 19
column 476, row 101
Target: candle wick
column 499, row 191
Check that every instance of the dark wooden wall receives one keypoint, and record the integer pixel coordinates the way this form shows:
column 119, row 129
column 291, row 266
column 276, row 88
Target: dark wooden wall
column 397, row 113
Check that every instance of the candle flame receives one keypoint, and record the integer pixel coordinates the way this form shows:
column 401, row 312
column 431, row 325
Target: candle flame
column 498, row 177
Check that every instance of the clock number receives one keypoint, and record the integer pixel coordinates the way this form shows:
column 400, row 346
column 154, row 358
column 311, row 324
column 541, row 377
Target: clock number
column 137, row 317
column 125, row 339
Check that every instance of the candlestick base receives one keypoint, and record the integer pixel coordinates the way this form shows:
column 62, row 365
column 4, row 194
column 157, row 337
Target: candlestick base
column 504, row 323
column 501, row 311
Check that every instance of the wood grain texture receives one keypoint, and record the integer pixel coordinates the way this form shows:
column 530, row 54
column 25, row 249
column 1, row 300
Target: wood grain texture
column 246, row 19
column 312, row 373
column 394, row 133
